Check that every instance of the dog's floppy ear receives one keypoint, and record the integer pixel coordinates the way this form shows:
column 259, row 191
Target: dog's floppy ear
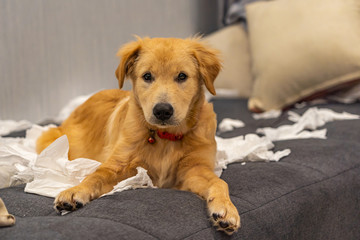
column 209, row 64
column 128, row 54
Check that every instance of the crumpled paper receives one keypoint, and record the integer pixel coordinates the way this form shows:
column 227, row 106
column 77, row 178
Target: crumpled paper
column 140, row 180
column 267, row 115
column 305, row 126
column 17, row 155
column 250, row 147
column 8, row 126
column 228, row 124
column 54, row 173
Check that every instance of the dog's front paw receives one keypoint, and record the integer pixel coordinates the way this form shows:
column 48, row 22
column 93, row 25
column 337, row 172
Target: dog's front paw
column 71, row 199
column 224, row 215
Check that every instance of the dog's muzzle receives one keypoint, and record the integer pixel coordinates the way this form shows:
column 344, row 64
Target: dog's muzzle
column 163, row 111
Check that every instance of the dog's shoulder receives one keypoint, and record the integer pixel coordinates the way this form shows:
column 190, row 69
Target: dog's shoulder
column 207, row 116
column 205, row 129
column 101, row 102
column 97, row 109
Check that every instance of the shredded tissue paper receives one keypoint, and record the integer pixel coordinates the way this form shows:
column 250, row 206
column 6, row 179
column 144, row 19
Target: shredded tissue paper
column 305, row 126
column 51, row 172
column 8, row 126
column 267, row 115
column 228, row 124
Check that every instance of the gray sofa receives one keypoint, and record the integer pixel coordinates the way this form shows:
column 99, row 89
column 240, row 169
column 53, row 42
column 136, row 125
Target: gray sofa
column 314, row 193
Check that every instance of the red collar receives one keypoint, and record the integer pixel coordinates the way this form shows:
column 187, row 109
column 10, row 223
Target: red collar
column 164, row 135
column 169, row 136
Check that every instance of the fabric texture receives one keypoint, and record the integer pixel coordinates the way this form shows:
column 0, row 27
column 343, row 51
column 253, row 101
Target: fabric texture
column 235, row 11
column 233, row 43
column 311, row 194
column 302, row 48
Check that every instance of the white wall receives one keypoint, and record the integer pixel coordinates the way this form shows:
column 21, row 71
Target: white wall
column 54, row 50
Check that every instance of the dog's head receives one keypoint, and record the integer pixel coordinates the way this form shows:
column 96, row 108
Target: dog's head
column 167, row 76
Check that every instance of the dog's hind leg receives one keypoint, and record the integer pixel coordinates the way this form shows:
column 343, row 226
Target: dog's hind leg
column 47, row 138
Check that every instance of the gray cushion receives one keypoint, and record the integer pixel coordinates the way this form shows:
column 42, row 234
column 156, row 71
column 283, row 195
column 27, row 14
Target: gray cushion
column 311, row 194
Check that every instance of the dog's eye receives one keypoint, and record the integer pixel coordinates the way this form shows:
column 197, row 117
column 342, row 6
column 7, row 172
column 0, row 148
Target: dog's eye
column 181, row 77
column 147, row 77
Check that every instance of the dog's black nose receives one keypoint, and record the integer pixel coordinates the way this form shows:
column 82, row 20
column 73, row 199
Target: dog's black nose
column 163, row 111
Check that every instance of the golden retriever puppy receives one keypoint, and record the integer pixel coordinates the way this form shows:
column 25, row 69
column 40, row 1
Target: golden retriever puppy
column 164, row 125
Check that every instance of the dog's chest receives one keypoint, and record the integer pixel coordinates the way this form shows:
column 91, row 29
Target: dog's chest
column 162, row 165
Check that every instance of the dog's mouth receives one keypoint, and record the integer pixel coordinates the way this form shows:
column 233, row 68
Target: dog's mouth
column 162, row 124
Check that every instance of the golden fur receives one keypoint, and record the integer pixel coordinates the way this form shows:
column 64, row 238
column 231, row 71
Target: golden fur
column 113, row 126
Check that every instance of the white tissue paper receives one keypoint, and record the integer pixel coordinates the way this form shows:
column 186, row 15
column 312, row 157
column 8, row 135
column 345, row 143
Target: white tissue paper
column 54, row 173
column 8, row 126
column 228, row 124
column 267, row 115
column 305, row 126
column 140, row 180
column 14, row 160
column 249, row 148
column 17, row 155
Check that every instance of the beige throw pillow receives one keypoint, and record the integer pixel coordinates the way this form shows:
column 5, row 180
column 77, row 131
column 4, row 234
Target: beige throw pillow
column 301, row 48
column 232, row 41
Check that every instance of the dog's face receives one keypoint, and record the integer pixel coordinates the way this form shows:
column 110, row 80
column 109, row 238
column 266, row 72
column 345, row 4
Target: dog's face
column 167, row 76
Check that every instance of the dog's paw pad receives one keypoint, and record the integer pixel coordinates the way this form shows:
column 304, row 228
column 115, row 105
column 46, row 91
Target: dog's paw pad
column 229, row 230
column 60, row 207
column 71, row 200
column 215, row 216
column 64, row 206
column 79, row 205
column 68, row 207
column 224, row 216
column 227, row 227
column 223, row 224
